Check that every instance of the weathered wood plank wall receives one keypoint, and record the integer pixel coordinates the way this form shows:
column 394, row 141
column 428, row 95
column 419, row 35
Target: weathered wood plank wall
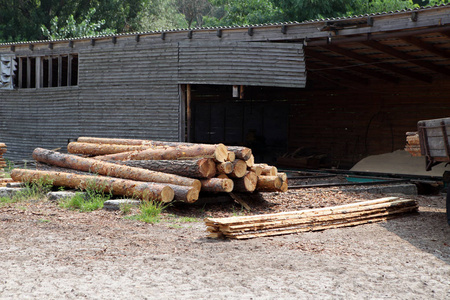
column 130, row 87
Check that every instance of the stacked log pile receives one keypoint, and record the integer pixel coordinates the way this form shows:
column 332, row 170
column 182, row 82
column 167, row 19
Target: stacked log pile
column 413, row 143
column 180, row 169
column 246, row 227
column 2, row 151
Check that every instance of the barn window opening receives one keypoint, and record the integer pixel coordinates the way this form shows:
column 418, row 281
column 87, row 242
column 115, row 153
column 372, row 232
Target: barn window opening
column 45, row 71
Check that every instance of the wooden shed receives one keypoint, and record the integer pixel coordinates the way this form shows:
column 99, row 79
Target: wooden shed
column 345, row 88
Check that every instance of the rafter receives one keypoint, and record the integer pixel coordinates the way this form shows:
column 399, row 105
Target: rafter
column 382, row 65
column 426, row 46
column 339, row 75
column 365, row 71
column 407, row 57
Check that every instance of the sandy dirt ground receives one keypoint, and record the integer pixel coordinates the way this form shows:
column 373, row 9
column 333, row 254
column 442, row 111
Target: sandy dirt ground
column 47, row 252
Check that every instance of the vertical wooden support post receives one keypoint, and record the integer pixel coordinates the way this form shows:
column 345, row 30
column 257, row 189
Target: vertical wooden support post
column 59, row 70
column 188, row 112
column 182, row 113
column 20, row 73
column 69, row 70
column 50, row 71
column 28, row 72
column 39, row 73
column 241, row 92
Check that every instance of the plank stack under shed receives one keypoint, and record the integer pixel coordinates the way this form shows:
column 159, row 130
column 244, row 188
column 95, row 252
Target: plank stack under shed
column 184, row 168
column 246, row 227
column 2, row 151
column 413, row 143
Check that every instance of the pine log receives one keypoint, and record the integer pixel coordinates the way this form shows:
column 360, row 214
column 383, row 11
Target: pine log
column 110, row 169
column 413, row 139
column 246, row 184
column 116, row 186
column 239, row 168
column 217, row 185
column 97, row 140
column 283, row 176
column 217, row 152
column 224, row 168
column 231, row 156
column 101, row 149
column 251, row 161
column 187, row 194
column 269, row 183
column 196, row 168
column 257, row 169
column 243, row 153
column 223, row 176
column 268, row 170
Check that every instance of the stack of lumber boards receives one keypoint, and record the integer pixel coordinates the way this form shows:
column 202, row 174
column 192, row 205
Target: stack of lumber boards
column 180, row 169
column 2, row 151
column 413, row 143
column 246, row 227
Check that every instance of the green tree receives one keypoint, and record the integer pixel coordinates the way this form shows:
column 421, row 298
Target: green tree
column 237, row 12
column 73, row 29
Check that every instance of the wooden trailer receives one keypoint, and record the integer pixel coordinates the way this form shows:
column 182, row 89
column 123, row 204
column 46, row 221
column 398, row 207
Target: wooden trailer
column 434, row 145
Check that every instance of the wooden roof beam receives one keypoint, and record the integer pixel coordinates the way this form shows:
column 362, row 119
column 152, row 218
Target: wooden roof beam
column 426, row 46
column 381, row 65
column 339, row 75
column 365, row 71
column 407, row 57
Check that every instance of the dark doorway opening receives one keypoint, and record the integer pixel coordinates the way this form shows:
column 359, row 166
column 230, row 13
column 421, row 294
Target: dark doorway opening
column 255, row 117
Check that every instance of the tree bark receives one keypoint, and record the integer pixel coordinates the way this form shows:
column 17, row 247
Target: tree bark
column 101, row 149
column 243, row 153
column 116, row 186
column 187, row 194
column 217, row 185
column 110, row 169
column 269, row 183
column 246, row 183
column 217, row 152
column 199, row 168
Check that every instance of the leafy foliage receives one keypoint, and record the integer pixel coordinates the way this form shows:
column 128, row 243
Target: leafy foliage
column 74, row 29
column 23, row 19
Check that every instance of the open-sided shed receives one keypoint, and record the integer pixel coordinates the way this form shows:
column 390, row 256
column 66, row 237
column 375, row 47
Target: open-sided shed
column 346, row 88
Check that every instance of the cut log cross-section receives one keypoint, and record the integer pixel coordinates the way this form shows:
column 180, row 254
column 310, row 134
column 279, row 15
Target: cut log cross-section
column 247, row 183
column 196, row 168
column 110, row 169
column 239, row 168
column 224, row 168
column 218, row 152
column 116, row 186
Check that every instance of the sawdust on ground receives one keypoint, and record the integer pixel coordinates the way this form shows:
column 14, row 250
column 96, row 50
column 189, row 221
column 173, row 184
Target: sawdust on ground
column 47, row 252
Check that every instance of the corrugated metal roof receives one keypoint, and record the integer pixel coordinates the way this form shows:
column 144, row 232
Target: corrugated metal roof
column 196, row 29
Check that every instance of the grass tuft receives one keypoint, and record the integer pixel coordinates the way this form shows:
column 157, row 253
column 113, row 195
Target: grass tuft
column 149, row 212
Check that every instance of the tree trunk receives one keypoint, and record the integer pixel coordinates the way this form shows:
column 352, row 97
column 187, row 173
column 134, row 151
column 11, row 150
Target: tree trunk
column 268, row 170
column 110, row 169
column 187, row 194
column 116, row 186
column 256, row 169
column 224, row 168
column 231, row 156
column 243, row 153
column 217, row 152
column 239, row 168
column 101, row 149
column 269, row 183
column 217, row 185
column 200, row 168
column 96, row 140
column 246, row 183
column 251, row 161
